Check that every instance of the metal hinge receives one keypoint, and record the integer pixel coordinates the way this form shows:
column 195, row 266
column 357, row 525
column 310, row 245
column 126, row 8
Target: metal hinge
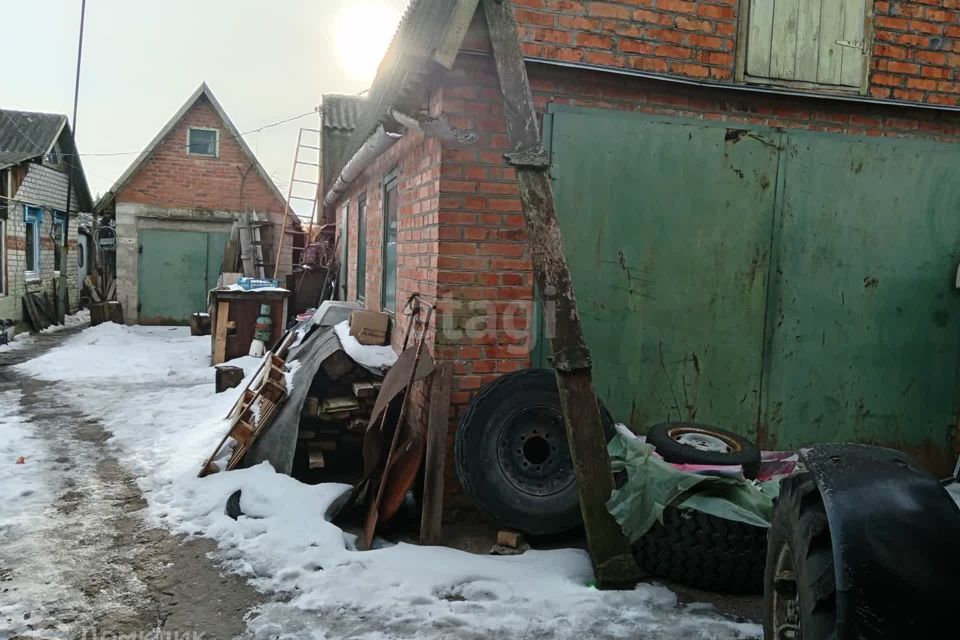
column 853, row 44
column 140, row 250
column 139, row 306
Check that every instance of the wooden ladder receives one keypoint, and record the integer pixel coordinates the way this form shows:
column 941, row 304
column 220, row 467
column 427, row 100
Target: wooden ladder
column 295, row 179
column 252, row 413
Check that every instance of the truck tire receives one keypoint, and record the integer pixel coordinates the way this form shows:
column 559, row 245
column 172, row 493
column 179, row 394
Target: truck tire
column 705, row 552
column 800, row 586
column 512, row 457
column 695, row 443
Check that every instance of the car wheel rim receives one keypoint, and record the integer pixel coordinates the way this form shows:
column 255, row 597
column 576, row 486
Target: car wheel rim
column 785, row 614
column 532, row 451
column 702, row 440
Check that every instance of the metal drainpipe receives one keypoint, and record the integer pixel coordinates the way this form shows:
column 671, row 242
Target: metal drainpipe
column 374, row 147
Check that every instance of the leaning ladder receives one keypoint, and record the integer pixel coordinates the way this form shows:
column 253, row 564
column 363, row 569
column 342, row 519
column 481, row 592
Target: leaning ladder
column 299, row 162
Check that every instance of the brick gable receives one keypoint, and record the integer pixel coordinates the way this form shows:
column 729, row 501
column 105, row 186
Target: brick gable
column 171, row 178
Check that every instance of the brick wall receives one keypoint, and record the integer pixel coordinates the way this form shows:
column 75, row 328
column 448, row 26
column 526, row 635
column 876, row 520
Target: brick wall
column 680, row 37
column 171, row 178
column 916, row 51
column 915, row 44
column 43, row 187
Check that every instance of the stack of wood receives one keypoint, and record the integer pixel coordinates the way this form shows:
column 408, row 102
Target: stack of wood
column 101, row 288
column 40, row 310
column 328, row 421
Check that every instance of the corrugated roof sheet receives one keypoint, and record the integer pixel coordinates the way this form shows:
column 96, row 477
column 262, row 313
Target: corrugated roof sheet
column 341, row 112
column 403, row 68
column 25, row 135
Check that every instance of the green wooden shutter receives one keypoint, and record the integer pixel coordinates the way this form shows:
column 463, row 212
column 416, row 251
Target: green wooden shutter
column 815, row 41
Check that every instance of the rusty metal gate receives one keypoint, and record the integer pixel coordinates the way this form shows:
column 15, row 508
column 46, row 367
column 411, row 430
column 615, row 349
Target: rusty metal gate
column 792, row 286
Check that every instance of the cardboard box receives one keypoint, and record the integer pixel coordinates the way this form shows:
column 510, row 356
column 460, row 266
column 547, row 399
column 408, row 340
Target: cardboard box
column 369, row 327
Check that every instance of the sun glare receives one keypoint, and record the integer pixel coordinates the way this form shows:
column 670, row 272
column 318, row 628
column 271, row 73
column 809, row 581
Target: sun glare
column 362, row 32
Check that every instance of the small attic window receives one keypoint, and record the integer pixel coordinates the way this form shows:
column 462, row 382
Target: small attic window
column 203, row 142
column 55, row 157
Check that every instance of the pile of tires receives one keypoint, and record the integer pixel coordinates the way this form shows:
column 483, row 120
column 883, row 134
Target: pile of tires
column 512, row 459
column 693, row 548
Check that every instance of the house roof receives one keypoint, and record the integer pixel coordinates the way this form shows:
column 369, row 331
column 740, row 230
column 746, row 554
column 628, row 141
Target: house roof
column 28, row 135
column 429, row 36
column 340, row 111
column 202, row 91
column 25, row 135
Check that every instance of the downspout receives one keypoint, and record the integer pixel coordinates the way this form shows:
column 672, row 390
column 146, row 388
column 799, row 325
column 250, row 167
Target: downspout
column 382, row 140
column 375, row 146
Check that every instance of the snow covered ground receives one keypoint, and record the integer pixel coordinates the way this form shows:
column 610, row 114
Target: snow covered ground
column 152, row 388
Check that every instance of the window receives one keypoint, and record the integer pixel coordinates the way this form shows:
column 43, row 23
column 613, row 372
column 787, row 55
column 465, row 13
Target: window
column 54, row 157
column 362, row 247
column 32, row 218
column 806, row 44
column 59, row 227
column 344, row 250
column 203, row 142
column 390, row 210
column 3, row 257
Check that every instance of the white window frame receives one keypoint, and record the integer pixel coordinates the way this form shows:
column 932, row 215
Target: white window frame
column 216, row 143
column 32, row 274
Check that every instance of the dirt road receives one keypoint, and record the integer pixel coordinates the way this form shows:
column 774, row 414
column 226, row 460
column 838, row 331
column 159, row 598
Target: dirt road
column 88, row 566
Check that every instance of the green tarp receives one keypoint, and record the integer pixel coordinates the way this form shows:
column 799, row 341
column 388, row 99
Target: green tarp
column 652, row 484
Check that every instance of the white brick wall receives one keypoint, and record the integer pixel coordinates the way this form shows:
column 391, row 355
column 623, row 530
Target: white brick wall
column 43, row 187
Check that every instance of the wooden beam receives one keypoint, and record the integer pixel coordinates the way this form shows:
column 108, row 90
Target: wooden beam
column 220, row 334
column 436, row 457
column 613, row 562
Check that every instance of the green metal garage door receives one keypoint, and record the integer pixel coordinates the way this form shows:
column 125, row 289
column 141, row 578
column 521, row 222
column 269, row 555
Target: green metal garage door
column 176, row 270
column 794, row 287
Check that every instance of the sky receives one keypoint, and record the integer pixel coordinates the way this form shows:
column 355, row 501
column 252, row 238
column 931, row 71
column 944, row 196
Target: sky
column 265, row 62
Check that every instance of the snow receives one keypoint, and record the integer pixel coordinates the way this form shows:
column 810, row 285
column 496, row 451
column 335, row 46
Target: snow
column 375, row 357
column 23, row 339
column 237, row 287
column 153, row 388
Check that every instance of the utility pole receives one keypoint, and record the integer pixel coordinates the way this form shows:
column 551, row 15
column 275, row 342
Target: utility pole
column 64, row 249
column 613, row 563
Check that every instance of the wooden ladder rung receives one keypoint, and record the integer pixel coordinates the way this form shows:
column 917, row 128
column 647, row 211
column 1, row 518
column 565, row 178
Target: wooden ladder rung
column 242, row 432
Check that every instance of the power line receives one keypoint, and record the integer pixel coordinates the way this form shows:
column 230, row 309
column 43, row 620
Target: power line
column 241, row 134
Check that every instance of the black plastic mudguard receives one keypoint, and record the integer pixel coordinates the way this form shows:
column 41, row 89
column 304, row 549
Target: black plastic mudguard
column 896, row 542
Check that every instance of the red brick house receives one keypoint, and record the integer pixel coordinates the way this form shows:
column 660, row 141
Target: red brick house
column 175, row 205
column 758, row 201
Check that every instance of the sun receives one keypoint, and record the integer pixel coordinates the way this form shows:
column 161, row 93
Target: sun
column 362, row 32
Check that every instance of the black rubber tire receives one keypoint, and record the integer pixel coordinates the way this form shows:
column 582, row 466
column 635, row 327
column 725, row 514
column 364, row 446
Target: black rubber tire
column 705, row 552
column 748, row 455
column 800, row 528
column 478, row 450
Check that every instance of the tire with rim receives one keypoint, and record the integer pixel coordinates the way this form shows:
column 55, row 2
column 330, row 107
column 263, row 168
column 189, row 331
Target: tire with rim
column 705, row 552
column 512, row 456
column 696, row 443
column 800, row 591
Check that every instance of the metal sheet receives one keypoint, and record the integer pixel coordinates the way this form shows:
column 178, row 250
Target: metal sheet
column 667, row 229
column 863, row 339
column 175, row 271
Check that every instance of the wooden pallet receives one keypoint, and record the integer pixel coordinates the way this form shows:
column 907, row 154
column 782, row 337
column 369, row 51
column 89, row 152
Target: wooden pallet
column 253, row 412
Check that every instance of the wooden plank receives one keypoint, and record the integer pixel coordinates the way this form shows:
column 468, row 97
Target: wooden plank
column 436, row 456
column 783, row 53
column 613, row 562
column 220, row 334
column 759, row 38
column 829, row 62
column 852, row 59
column 808, row 40
column 92, row 288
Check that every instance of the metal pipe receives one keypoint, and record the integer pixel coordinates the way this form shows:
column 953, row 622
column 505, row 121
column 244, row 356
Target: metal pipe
column 373, row 148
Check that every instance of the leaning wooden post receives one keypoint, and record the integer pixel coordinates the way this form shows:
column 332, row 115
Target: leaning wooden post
column 613, row 564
